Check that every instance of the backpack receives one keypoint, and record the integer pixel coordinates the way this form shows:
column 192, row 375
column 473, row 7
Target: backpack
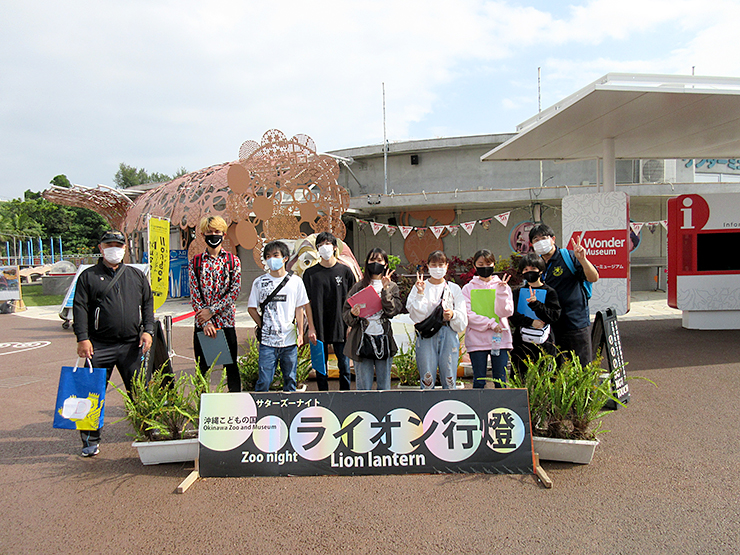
column 588, row 287
column 198, row 263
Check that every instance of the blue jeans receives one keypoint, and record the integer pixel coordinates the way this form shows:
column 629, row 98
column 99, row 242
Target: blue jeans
column 366, row 367
column 439, row 351
column 268, row 362
column 479, row 362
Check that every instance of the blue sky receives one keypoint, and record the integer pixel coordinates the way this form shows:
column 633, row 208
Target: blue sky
column 86, row 85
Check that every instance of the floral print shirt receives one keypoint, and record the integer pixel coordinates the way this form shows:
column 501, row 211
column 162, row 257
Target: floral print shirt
column 218, row 288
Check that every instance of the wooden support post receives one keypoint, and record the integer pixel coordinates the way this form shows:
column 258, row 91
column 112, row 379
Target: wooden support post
column 189, row 481
column 540, row 472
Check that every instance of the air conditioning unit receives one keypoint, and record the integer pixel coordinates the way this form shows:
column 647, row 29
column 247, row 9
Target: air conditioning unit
column 657, row 171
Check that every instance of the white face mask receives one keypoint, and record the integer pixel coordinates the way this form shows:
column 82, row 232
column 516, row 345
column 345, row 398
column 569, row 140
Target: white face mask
column 326, row 251
column 438, row 273
column 542, row 247
column 114, row 255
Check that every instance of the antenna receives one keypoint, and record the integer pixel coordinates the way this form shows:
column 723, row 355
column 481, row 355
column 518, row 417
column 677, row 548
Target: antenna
column 385, row 150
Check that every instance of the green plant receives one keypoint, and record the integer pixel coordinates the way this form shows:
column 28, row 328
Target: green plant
column 404, row 364
column 165, row 407
column 566, row 400
column 249, row 366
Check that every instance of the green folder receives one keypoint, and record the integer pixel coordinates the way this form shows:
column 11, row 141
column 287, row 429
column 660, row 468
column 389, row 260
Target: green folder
column 483, row 302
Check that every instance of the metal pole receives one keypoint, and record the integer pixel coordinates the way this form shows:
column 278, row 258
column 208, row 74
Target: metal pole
column 60, row 248
column 7, row 251
column 30, row 252
column 41, row 251
column 385, row 150
column 51, row 244
column 168, row 334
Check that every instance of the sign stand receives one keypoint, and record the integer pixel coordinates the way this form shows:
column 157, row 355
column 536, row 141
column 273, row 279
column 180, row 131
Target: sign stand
column 540, row 472
column 190, row 480
column 605, row 335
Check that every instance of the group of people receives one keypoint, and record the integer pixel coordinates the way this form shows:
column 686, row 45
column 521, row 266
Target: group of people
column 114, row 321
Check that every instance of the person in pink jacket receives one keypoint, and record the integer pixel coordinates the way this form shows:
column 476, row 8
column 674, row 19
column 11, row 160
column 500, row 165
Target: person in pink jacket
column 485, row 336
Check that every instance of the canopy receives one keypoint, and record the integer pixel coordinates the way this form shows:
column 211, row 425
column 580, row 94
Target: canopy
column 631, row 116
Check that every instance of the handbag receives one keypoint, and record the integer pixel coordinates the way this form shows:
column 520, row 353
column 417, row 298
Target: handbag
column 534, row 335
column 374, row 347
column 263, row 304
column 81, row 397
column 430, row 325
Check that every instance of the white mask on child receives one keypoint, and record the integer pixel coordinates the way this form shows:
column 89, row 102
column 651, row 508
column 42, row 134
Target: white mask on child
column 438, row 273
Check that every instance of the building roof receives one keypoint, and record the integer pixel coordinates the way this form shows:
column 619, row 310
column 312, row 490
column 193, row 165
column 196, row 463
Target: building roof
column 648, row 116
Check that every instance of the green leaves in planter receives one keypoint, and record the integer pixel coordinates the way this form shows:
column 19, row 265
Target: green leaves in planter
column 566, row 401
column 404, row 364
column 166, row 407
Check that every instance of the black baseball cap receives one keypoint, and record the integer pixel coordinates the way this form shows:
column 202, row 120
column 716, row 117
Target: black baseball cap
column 113, row 236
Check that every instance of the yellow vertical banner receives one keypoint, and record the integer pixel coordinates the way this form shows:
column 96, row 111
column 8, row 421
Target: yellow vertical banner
column 159, row 259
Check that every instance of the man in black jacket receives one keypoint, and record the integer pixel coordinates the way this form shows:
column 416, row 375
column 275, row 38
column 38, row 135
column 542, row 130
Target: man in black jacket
column 114, row 323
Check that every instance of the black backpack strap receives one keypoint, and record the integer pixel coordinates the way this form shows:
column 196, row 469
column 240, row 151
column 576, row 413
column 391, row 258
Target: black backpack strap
column 274, row 292
column 110, row 285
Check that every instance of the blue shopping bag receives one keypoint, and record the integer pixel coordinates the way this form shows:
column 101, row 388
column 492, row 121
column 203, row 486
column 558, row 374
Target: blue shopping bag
column 80, row 397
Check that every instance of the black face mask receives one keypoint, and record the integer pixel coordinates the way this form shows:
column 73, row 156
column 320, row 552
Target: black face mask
column 375, row 268
column 213, row 240
column 484, row 271
column 531, row 277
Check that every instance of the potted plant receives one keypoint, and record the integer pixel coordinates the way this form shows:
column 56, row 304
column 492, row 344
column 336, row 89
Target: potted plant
column 404, row 366
column 566, row 403
column 164, row 412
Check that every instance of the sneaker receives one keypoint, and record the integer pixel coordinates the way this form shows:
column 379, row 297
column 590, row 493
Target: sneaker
column 90, row 450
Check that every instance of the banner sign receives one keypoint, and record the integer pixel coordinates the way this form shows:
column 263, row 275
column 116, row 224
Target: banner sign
column 159, row 259
column 365, row 432
column 179, row 284
column 607, row 250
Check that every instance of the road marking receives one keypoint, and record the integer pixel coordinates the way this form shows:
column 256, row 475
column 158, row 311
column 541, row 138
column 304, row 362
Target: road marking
column 20, row 347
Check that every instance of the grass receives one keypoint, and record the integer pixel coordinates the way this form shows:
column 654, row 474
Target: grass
column 32, row 296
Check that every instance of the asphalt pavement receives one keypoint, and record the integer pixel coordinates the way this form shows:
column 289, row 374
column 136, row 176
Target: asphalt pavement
column 663, row 479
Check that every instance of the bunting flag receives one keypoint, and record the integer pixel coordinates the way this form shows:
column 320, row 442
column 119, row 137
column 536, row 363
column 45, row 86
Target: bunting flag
column 405, row 230
column 468, row 226
column 503, row 219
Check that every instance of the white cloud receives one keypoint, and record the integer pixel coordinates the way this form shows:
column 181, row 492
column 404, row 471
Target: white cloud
column 164, row 84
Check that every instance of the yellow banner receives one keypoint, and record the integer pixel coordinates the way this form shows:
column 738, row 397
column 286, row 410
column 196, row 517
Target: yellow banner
column 159, row 259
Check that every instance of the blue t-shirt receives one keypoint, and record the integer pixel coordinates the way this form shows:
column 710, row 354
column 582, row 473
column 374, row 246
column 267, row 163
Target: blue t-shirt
column 573, row 302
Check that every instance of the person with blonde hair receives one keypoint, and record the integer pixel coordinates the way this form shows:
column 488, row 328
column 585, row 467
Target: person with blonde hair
column 215, row 279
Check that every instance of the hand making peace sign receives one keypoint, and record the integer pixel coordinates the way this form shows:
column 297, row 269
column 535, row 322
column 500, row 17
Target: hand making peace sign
column 386, row 279
column 578, row 249
column 420, row 285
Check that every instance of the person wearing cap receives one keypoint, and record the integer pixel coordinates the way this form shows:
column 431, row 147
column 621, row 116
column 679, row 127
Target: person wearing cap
column 215, row 279
column 114, row 324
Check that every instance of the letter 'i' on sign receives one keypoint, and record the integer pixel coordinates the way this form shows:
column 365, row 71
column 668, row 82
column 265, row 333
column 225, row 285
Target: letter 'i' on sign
column 687, row 202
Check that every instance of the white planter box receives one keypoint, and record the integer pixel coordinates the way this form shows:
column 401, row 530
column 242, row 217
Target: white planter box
column 159, row 452
column 564, row 450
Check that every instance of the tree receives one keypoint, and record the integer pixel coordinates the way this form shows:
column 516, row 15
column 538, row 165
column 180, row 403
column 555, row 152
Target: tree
column 129, row 176
column 61, row 181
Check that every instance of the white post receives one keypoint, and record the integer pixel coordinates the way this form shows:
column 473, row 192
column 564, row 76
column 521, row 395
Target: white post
column 609, row 167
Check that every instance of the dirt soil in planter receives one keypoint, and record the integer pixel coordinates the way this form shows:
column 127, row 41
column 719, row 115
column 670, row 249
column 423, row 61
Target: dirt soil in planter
column 664, row 480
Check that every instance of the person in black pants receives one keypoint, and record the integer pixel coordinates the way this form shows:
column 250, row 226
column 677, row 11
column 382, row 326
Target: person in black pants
column 113, row 314
column 327, row 284
column 215, row 278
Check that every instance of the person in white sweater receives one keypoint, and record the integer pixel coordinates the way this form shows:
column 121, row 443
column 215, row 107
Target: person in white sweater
column 442, row 350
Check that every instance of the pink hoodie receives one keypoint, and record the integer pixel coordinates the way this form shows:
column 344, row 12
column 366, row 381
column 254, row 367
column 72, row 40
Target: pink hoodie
column 479, row 333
